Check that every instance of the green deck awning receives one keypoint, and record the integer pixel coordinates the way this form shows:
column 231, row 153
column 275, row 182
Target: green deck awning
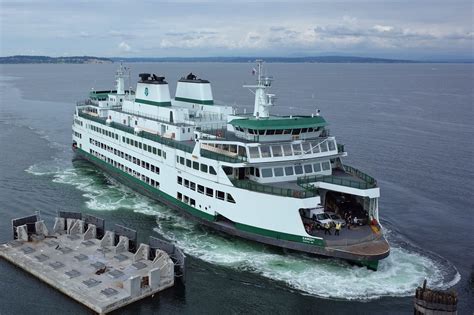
column 279, row 122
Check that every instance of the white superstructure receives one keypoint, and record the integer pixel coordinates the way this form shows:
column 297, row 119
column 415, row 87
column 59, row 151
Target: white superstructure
column 248, row 175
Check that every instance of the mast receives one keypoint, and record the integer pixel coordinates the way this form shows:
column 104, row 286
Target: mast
column 120, row 76
column 263, row 100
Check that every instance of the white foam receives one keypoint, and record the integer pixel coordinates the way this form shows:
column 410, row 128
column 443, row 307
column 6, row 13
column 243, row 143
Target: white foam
column 398, row 275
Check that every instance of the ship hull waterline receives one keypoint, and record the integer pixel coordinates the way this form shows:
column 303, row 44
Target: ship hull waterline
column 371, row 262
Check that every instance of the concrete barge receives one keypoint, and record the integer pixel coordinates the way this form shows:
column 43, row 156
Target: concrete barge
column 103, row 270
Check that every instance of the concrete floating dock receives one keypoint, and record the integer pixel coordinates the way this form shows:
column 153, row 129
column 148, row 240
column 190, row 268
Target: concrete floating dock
column 104, row 270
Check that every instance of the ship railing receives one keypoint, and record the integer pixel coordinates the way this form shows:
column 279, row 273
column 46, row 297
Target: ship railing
column 366, row 183
column 141, row 133
column 355, row 172
column 221, row 157
column 272, row 190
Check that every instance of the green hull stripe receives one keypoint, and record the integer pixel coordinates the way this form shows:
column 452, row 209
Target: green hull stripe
column 139, row 100
column 203, row 215
column 280, row 235
column 190, row 100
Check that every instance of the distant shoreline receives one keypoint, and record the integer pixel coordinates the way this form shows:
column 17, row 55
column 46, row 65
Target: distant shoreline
column 23, row 59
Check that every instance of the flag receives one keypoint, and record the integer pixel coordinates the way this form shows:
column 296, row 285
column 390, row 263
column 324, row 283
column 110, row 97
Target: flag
column 254, row 71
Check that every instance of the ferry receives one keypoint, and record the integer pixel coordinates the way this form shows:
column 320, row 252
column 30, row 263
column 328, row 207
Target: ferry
column 277, row 180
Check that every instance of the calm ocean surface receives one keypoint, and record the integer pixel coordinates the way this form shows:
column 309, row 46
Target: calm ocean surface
column 408, row 125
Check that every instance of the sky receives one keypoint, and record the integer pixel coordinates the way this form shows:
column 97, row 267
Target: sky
column 404, row 29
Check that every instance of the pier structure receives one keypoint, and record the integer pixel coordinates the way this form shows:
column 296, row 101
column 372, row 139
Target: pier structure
column 102, row 269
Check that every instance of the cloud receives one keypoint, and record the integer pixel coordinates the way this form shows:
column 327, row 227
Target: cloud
column 124, row 47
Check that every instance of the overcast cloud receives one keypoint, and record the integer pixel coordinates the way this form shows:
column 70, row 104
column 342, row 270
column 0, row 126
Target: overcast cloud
column 395, row 29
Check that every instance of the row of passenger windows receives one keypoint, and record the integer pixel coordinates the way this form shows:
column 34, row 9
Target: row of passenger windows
column 137, row 161
column 129, row 141
column 144, row 146
column 77, row 134
column 105, row 132
column 196, row 165
column 205, row 190
column 271, row 132
column 126, row 169
column 307, row 147
column 290, row 170
column 186, row 199
column 78, row 122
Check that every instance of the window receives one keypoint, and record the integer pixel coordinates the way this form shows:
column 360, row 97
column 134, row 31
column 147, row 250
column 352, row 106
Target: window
column 267, row 172
column 253, row 151
column 251, row 131
column 200, row 189
column 154, row 150
column 315, row 147
column 324, row 146
column 186, row 183
column 196, row 165
column 209, row 192
column 278, row 171
column 204, row 168
column 265, row 151
column 192, row 186
column 257, row 172
column 326, row 166
column 181, row 160
column 230, row 198
column 220, row 195
column 180, row 180
column 308, row 168
column 331, row 145
column 296, row 132
column 270, row 132
column 192, row 202
column 317, row 167
column 298, row 169
column 180, row 196
column 278, row 131
column 297, row 149
column 159, row 152
column 212, row 170
column 188, row 162
column 287, row 150
column 276, row 149
column 306, row 147
column 289, row 170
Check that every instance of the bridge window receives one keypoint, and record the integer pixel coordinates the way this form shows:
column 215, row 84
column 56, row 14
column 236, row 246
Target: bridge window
column 326, row 166
column 331, row 145
column 253, row 151
column 289, row 170
column 308, row 168
column 297, row 149
column 278, row 171
column 317, row 167
column 265, row 151
column 298, row 169
column 276, row 149
column 267, row 172
column 287, row 150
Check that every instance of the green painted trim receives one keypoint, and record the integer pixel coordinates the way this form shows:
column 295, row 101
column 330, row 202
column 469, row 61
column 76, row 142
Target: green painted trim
column 281, row 236
column 163, row 104
column 203, row 215
column 279, row 123
column 149, row 188
column 191, row 100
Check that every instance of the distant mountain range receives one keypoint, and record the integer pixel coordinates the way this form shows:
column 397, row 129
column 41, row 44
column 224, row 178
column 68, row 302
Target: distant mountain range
column 46, row 59
column 320, row 59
